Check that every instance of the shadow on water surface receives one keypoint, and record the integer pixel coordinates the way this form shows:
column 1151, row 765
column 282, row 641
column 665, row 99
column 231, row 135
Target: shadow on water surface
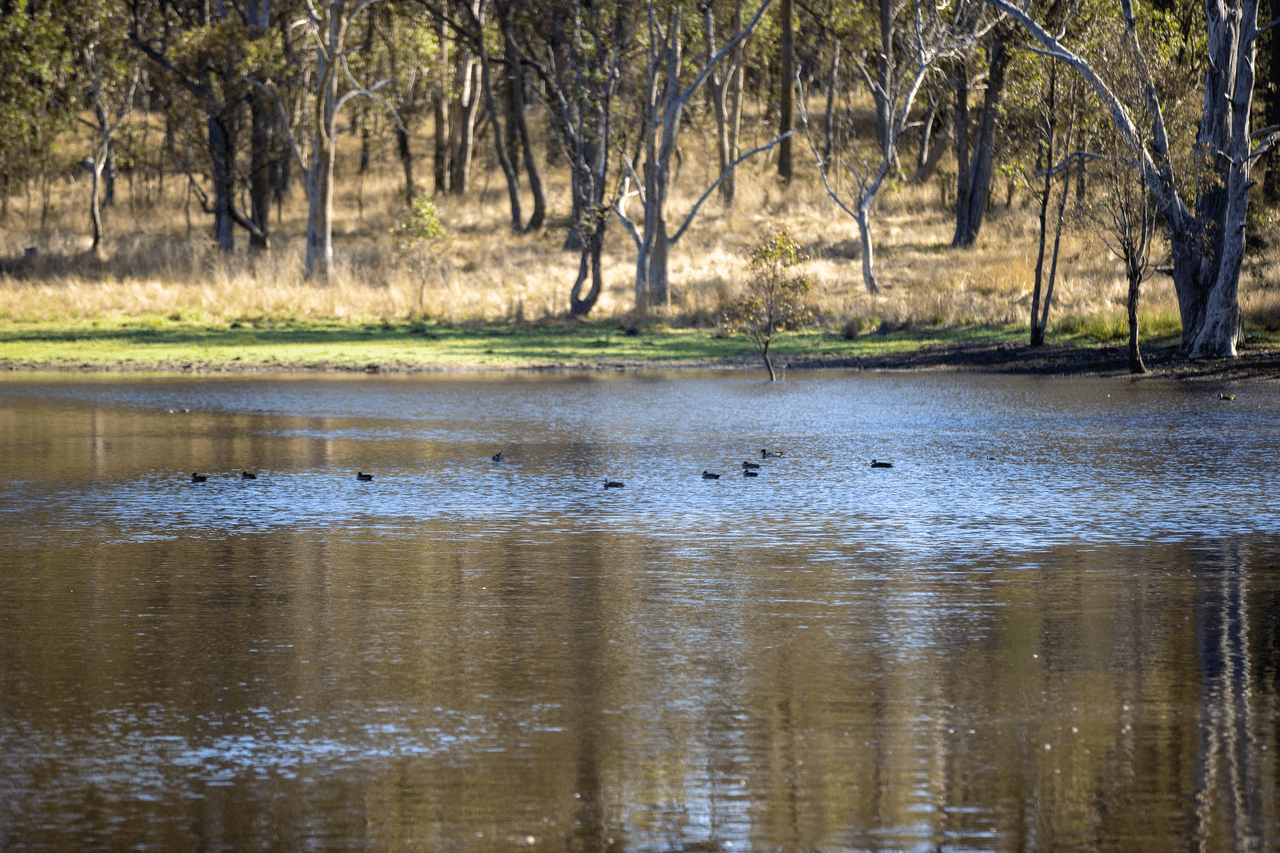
column 1051, row 625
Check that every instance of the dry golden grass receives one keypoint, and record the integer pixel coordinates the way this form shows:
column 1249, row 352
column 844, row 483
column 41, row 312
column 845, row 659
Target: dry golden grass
column 156, row 263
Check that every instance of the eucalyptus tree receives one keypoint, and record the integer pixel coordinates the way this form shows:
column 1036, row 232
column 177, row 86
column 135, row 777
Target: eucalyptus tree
column 409, row 44
column 665, row 97
column 976, row 147
column 918, row 36
column 1207, row 235
column 1055, row 129
column 518, row 120
column 471, row 26
column 580, row 51
column 725, row 89
column 209, row 51
column 37, row 98
column 328, row 25
column 113, row 81
column 1123, row 217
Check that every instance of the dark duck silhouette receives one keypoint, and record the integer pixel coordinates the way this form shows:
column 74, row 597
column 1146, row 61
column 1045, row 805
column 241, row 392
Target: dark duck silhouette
column 198, row 478
column 746, row 465
column 612, row 484
column 875, row 464
column 707, row 475
column 770, row 454
column 498, row 457
column 245, row 475
column 747, row 472
column 363, row 477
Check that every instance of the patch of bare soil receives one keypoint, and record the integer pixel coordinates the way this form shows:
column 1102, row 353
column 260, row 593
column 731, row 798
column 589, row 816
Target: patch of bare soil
column 1252, row 363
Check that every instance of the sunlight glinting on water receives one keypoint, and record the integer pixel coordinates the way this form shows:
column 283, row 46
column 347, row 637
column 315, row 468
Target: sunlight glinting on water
column 1050, row 600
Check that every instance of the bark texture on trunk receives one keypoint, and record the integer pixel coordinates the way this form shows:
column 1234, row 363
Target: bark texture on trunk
column 978, row 161
column 786, row 111
column 1207, row 240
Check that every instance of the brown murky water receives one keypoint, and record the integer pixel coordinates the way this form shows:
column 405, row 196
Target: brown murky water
column 1054, row 624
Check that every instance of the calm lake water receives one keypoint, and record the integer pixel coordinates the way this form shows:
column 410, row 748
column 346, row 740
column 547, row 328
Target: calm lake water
column 1054, row 624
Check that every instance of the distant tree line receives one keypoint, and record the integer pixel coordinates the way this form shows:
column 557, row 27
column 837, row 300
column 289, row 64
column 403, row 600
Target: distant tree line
column 1067, row 99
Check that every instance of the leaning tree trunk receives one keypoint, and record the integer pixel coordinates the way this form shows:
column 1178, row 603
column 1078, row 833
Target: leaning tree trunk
column 539, row 215
column 519, row 122
column 499, row 137
column 974, row 188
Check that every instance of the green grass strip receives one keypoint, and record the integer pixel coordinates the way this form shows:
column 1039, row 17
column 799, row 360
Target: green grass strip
column 154, row 342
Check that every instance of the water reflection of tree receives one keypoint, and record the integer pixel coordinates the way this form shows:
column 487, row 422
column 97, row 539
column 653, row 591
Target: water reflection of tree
column 1235, row 789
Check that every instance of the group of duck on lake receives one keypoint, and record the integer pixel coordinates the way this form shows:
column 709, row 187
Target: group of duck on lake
column 749, row 469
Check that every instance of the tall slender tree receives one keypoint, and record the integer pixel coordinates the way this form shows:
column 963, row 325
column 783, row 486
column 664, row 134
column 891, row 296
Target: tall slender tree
column 666, row 97
column 918, row 38
column 579, row 51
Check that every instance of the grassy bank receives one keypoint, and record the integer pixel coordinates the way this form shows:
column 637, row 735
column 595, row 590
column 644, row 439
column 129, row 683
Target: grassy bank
column 177, row 343
column 159, row 292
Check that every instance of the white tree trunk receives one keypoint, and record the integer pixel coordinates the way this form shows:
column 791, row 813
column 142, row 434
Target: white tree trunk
column 1207, row 243
column 863, row 218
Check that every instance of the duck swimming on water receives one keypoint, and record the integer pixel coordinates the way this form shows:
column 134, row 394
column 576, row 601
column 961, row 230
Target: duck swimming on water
column 707, row 475
column 612, row 484
column 198, row 478
column 497, row 457
column 747, row 465
column 875, row 464
column 245, row 475
column 770, row 454
column 363, row 477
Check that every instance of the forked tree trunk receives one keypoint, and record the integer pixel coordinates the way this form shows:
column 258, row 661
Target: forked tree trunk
column 1207, row 242
column 1046, row 160
column 491, row 107
column 664, row 103
column 976, row 168
column 463, row 124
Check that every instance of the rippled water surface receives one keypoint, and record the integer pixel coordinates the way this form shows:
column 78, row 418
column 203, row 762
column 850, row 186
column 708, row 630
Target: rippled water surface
column 1053, row 624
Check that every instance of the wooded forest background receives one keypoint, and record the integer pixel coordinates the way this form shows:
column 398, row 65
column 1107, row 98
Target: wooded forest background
column 259, row 122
